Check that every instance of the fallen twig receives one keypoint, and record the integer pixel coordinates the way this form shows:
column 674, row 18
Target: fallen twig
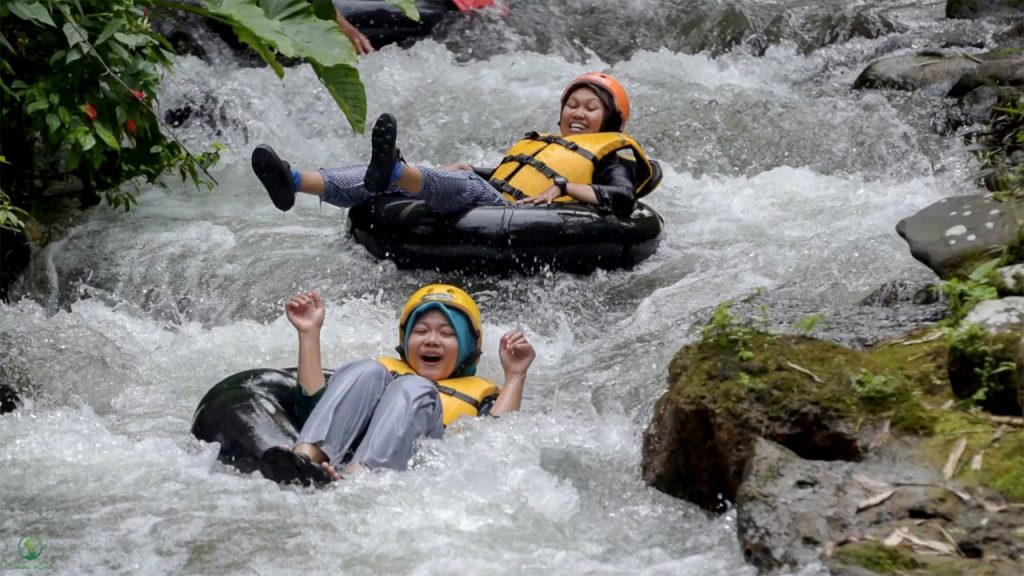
column 875, row 500
column 1008, row 420
column 954, row 458
column 805, row 371
column 934, row 336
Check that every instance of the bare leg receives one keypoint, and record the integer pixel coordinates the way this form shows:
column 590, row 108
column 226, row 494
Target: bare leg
column 312, row 451
column 311, row 182
column 411, row 179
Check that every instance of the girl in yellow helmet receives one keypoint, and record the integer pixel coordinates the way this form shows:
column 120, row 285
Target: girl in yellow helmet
column 589, row 161
column 371, row 412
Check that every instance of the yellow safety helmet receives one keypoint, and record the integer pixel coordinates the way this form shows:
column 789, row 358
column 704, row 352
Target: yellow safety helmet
column 448, row 295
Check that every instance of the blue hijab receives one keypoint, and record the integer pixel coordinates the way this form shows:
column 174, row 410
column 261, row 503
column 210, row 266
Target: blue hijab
column 463, row 333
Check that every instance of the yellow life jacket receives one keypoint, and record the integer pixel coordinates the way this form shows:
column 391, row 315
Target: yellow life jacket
column 459, row 396
column 531, row 164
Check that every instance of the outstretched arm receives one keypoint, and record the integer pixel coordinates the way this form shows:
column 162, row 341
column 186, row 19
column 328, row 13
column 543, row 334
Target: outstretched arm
column 306, row 312
column 359, row 40
column 516, row 355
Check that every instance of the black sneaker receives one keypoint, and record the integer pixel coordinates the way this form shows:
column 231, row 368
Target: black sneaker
column 384, row 155
column 284, row 466
column 276, row 176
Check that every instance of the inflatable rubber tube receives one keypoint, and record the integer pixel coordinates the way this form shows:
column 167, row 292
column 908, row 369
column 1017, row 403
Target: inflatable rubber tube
column 576, row 238
column 247, row 413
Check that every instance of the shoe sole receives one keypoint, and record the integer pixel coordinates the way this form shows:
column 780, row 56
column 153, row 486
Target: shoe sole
column 275, row 177
column 382, row 157
column 280, row 465
column 286, row 467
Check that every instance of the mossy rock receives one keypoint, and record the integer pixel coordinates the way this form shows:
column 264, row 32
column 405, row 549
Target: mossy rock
column 816, row 398
column 983, row 367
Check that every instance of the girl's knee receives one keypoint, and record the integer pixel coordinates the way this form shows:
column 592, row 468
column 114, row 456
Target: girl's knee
column 415, row 385
column 362, row 370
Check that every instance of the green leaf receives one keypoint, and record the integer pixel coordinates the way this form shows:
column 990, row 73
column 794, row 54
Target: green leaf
column 108, row 31
column 120, row 115
column 106, row 136
column 408, row 8
column 86, row 140
column 5, row 43
column 283, row 9
column 251, row 17
column 324, row 9
column 62, row 113
column 42, row 104
column 131, row 40
column 262, row 48
column 320, row 41
column 53, row 122
column 73, row 54
column 348, row 91
column 37, row 12
column 74, row 34
column 54, row 98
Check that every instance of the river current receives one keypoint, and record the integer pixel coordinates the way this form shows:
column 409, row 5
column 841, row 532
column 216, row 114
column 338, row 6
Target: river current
column 778, row 177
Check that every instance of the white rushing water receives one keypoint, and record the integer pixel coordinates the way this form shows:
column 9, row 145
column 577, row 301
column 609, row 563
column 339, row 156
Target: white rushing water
column 778, row 176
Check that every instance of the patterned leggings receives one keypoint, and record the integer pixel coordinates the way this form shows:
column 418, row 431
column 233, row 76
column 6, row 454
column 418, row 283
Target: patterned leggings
column 445, row 191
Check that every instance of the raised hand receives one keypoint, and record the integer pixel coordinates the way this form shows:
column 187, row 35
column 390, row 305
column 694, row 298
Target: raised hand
column 306, row 311
column 516, row 353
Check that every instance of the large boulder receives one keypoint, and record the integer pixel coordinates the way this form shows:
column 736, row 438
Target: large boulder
column 815, row 398
column 954, row 234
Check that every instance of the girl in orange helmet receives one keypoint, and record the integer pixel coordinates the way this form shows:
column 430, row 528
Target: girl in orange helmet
column 591, row 161
column 371, row 412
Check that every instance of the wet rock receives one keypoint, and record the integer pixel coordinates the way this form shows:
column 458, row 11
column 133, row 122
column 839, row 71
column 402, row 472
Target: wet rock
column 15, row 253
column 915, row 71
column 985, row 356
column 1002, row 72
column 1010, row 280
column 974, row 9
column 10, row 382
column 900, row 292
column 954, row 233
column 9, row 401
column 787, row 507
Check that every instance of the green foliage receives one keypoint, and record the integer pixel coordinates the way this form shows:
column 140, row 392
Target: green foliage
column 878, row 558
column 293, row 29
column 11, row 217
column 80, row 78
column 874, row 389
column 989, row 359
column 963, row 295
column 727, row 331
column 996, row 146
column 807, row 324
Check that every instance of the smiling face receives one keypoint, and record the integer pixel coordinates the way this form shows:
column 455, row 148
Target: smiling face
column 433, row 347
column 583, row 112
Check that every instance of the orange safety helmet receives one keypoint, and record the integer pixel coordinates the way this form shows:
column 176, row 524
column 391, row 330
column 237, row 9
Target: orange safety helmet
column 610, row 85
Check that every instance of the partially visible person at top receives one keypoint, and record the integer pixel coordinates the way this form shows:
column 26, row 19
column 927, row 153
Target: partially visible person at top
column 591, row 161
column 359, row 40
column 371, row 412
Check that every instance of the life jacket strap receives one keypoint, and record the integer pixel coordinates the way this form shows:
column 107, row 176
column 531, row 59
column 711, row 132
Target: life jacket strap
column 555, row 139
column 455, row 393
column 504, row 186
